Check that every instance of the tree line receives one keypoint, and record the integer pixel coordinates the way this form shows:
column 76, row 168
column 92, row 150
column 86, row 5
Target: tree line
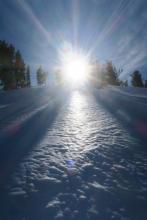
column 14, row 73
column 108, row 74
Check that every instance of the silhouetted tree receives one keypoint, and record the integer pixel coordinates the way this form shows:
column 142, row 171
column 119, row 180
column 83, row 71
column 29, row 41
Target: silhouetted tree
column 7, row 57
column 137, row 80
column 12, row 66
column 112, row 74
column 41, row 76
column 19, row 66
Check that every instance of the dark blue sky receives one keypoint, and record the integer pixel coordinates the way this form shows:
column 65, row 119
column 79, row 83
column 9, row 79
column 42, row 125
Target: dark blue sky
column 108, row 29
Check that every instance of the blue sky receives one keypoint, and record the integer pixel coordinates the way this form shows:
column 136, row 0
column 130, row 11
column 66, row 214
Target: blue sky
column 107, row 29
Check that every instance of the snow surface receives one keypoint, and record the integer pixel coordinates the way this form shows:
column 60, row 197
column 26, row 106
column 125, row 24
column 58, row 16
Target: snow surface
column 73, row 155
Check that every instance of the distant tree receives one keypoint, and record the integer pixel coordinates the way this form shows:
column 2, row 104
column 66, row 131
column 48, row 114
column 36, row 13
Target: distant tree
column 124, row 83
column 145, row 84
column 102, row 75
column 41, row 76
column 112, row 74
column 28, row 79
column 137, row 80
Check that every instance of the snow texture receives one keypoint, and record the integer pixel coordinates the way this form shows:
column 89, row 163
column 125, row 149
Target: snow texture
column 73, row 155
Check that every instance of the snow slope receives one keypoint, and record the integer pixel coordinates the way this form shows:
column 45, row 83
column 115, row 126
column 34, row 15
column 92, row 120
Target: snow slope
column 74, row 155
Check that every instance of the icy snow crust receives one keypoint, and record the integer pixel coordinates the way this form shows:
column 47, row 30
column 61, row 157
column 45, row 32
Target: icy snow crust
column 74, row 155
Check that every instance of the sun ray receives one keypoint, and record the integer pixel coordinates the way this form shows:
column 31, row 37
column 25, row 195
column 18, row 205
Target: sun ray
column 25, row 6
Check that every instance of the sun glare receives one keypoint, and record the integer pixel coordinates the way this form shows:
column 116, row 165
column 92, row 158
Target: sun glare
column 75, row 69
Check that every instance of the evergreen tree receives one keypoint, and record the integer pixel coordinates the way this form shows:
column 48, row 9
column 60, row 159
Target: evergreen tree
column 41, row 76
column 19, row 66
column 28, row 80
column 112, row 74
column 137, row 80
column 12, row 66
column 7, row 56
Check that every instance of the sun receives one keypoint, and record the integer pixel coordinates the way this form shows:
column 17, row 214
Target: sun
column 75, row 68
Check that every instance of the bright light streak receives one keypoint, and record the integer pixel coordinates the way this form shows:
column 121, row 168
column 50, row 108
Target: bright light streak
column 25, row 6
